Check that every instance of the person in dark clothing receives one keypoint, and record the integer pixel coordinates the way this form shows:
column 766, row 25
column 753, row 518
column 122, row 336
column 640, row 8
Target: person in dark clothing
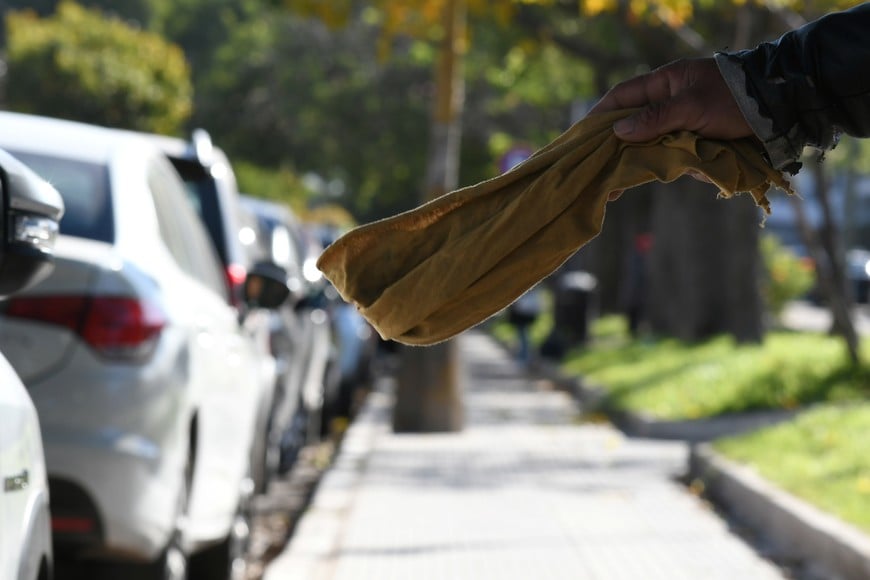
column 803, row 90
column 522, row 314
column 637, row 283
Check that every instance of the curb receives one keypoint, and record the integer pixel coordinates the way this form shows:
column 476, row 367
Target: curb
column 794, row 528
column 791, row 526
column 700, row 430
column 311, row 551
column 640, row 425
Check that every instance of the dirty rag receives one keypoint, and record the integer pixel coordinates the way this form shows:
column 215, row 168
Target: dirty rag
column 425, row 275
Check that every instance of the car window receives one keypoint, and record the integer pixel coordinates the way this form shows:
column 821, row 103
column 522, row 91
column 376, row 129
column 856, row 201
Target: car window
column 182, row 230
column 279, row 240
column 202, row 193
column 84, row 188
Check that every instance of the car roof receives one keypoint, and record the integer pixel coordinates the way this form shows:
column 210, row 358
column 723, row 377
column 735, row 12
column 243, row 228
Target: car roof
column 178, row 148
column 63, row 138
column 172, row 146
column 267, row 207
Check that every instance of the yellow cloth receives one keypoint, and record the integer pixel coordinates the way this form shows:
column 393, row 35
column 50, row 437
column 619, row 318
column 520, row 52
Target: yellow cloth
column 425, row 275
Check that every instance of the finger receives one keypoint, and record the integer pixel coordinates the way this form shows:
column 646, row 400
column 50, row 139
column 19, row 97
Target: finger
column 683, row 112
column 636, row 92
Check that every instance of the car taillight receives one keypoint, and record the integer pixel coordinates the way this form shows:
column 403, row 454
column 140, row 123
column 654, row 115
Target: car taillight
column 114, row 326
column 236, row 274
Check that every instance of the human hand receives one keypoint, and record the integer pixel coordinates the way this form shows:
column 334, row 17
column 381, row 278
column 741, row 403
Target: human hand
column 687, row 94
column 683, row 95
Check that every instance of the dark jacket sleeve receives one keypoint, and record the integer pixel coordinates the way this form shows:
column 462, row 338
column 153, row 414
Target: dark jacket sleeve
column 806, row 88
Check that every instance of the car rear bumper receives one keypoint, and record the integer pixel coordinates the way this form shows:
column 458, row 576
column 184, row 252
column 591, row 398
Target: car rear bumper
column 117, row 439
column 109, row 499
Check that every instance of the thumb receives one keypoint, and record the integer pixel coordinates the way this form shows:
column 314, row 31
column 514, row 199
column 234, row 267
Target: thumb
column 625, row 128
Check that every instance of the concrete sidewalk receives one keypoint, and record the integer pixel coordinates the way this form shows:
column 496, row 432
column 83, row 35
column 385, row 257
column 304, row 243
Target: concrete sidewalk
column 523, row 492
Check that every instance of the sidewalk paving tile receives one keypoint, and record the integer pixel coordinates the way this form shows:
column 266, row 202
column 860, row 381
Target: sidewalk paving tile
column 525, row 491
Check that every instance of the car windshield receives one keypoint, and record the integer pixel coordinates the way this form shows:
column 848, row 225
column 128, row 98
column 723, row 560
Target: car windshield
column 84, row 188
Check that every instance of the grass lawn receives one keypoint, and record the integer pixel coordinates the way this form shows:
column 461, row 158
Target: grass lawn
column 821, row 456
column 502, row 330
column 669, row 379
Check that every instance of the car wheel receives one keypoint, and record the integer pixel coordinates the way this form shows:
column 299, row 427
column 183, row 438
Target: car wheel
column 329, row 410
column 272, row 461
column 227, row 560
column 260, row 461
column 293, row 440
column 172, row 563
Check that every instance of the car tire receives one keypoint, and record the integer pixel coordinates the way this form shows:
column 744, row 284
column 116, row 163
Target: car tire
column 329, row 410
column 293, row 440
column 172, row 564
column 260, row 461
column 227, row 559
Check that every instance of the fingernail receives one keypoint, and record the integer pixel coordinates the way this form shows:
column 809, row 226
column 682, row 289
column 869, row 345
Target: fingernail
column 624, row 126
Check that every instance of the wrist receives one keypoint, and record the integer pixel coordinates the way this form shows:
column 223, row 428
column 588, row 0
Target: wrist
column 780, row 151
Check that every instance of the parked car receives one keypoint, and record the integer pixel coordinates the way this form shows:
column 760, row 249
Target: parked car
column 212, row 190
column 858, row 273
column 142, row 375
column 32, row 209
column 358, row 343
column 302, row 336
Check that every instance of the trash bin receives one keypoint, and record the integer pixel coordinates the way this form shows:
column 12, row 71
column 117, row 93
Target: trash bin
column 574, row 304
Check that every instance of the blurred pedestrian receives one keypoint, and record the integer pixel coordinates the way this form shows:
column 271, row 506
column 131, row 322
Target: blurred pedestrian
column 637, row 282
column 522, row 314
column 804, row 89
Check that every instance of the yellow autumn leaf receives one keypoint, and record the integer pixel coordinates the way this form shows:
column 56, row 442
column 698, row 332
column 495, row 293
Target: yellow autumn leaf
column 594, row 7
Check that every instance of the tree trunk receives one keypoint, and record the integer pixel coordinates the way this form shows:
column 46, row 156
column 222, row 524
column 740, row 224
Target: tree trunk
column 428, row 397
column 824, row 248
column 705, row 264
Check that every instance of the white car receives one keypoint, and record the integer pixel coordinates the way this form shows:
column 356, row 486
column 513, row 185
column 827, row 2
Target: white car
column 138, row 366
column 25, row 552
column 33, row 208
column 211, row 188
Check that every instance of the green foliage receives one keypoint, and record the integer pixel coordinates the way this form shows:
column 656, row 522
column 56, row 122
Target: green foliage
column 787, row 276
column 144, row 12
column 318, row 100
column 851, row 154
column 540, row 76
column 670, row 379
column 285, row 91
column 281, row 185
column 506, row 333
column 821, row 456
column 203, row 27
column 80, row 65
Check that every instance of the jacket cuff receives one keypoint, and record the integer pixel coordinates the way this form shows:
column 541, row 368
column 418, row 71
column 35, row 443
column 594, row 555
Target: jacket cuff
column 781, row 151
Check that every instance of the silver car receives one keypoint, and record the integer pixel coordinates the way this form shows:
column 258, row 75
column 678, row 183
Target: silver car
column 140, row 369
column 302, row 337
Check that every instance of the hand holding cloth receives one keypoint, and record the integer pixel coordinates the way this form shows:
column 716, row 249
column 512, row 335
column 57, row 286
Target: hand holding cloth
column 425, row 275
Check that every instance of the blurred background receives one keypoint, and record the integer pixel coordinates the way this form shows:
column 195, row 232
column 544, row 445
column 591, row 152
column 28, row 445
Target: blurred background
column 328, row 107
column 347, row 111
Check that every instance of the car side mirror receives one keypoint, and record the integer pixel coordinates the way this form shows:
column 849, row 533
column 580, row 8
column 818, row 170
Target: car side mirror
column 31, row 211
column 266, row 286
